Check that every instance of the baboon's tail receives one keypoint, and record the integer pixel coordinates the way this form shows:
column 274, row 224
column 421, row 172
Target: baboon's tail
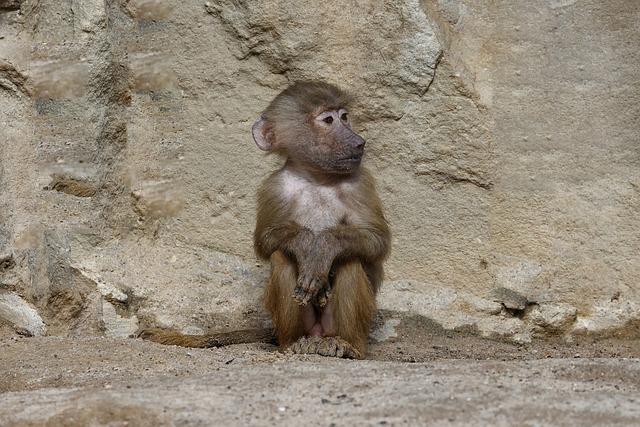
column 172, row 337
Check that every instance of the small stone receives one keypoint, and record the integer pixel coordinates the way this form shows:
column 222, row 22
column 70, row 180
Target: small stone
column 554, row 317
column 20, row 314
column 509, row 298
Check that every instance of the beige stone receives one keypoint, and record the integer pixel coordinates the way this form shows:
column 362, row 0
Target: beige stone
column 503, row 137
column 20, row 314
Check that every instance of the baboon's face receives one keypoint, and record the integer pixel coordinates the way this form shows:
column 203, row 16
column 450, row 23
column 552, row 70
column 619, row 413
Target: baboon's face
column 330, row 144
column 309, row 123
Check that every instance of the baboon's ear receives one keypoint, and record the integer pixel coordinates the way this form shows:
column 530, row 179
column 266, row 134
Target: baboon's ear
column 263, row 134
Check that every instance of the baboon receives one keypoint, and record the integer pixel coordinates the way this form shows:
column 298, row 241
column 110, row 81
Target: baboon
column 321, row 225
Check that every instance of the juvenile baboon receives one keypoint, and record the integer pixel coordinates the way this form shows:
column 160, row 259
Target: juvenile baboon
column 321, row 225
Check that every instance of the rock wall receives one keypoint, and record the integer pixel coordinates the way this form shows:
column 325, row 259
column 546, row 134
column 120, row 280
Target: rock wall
column 504, row 138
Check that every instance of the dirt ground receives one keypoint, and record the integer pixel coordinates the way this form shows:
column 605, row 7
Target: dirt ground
column 422, row 376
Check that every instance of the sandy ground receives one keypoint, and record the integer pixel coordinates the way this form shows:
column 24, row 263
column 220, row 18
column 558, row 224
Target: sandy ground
column 422, row 376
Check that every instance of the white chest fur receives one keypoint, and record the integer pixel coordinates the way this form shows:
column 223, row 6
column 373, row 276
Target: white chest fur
column 316, row 207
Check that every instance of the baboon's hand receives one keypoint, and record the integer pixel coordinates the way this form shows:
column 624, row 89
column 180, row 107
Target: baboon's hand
column 322, row 297
column 314, row 265
column 311, row 280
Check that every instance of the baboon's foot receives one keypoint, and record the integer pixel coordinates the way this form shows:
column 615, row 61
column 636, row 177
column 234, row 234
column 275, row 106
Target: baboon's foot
column 325, row 346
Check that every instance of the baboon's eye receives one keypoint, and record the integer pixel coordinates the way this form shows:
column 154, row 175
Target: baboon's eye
column 344, row 117
column 328, row 120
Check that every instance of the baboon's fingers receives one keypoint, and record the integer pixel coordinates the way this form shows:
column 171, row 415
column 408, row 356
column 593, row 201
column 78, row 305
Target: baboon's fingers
column 328, row 347
column 301, row 346
column 301, row 286
column 307, row 288
column 300, row 296
column 349, row 352
column 323, row 296
column 340, row 352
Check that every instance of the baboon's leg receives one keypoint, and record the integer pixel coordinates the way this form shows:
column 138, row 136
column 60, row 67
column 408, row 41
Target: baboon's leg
column 287, row 315
column 352, row 306
column 345, row 321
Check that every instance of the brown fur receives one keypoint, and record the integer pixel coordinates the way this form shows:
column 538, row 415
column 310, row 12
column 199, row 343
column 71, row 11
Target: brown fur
column 302, row 259
column 172, row 337
column 278, row 300
column 353, row 308
column 325, row 269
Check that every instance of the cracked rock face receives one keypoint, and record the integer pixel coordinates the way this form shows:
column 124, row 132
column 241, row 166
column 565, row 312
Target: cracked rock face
column 128, row 174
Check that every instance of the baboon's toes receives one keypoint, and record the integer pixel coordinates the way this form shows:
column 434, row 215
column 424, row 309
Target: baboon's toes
column 325, row 346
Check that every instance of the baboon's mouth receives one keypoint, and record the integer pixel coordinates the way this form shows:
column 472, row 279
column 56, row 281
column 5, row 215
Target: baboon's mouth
column 346, row 164
column 352, row 159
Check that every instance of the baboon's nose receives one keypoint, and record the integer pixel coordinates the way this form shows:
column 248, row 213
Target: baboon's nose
column 357, row 142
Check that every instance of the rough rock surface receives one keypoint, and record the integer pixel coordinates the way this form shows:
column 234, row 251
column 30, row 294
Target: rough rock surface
column 460, row 380
column 503, row 136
